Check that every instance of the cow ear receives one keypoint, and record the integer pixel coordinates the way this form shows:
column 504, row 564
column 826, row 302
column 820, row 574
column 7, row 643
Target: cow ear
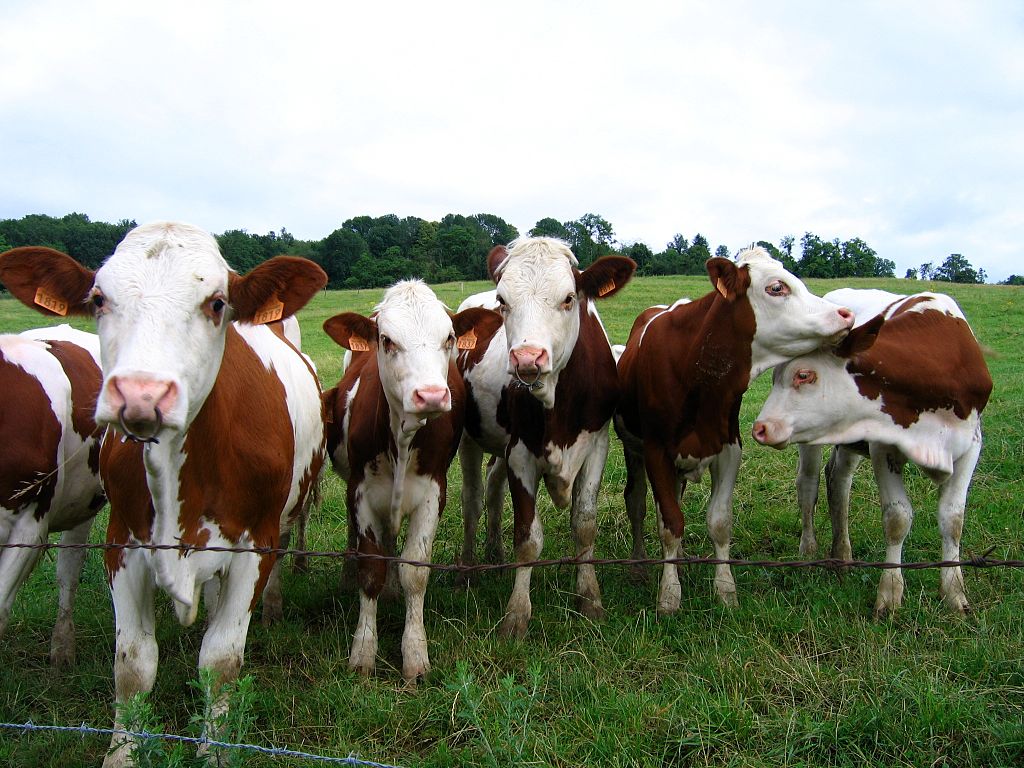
column 860, row 338
column 352, row 331
column 275, row 289
column 473, row 324
column 48, row 281
column 729, row 280
column 496, row 261
column 605, row 276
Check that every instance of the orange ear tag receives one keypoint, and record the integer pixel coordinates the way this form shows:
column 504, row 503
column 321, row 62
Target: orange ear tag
column 51, row 302
column 269, row 312
column 720, row 287
column 358, row 344
column 606, row 289
column 466, row 340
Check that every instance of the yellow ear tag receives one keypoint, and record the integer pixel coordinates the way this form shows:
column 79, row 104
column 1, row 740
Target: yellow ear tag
column 466, row 340
column 269, row 312
column 51, row 302
column 720, row 286
column 358, row 344
column 606, row 288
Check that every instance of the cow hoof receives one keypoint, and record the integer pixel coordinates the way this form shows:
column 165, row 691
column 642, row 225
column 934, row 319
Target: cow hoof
column 957, row 603
column 591, row 608
column 638, row 574
column 495, row 555
column 728, row 598
column 272, row 613
column 513, row 626
column 62, row 657
column 808, row 547
column 362, row 668
column 412, row 673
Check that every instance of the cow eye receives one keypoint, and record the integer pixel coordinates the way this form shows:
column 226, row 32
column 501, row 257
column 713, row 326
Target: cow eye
column 449, row 342
column 777, row 288
column 98, row 300
column 804, row 376
column 502, row 306
column 387, row 344
column 214, row 307
column 569, row 301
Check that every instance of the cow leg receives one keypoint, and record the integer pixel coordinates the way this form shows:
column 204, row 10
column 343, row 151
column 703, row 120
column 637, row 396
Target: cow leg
column 69, row 571
column 497, row 481
column 300, row 562
column 273, row 599
column 135, row 649
column 897, row 516
column 372, row 574
column 724, row 469
column 583, row 521
column 419, row 545
column 471, row 456
column 808, row 478
column 17, row 563
column 952, row 502
column 662, row 475
column 528, row 538
column 635, row 496
column 838, row 481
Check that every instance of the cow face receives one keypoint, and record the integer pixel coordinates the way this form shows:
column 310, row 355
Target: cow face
column 414, row 336
column 162, row 302
column 790, row 320
column 814, row 398
column 539, row 294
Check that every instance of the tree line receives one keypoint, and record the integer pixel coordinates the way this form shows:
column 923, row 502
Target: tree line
column 369, row 252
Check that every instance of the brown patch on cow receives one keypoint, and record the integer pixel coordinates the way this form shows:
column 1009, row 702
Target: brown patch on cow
column 907, row 305
column 131, row 508
column 85, row 378
column 909, row 366
column 31, row 437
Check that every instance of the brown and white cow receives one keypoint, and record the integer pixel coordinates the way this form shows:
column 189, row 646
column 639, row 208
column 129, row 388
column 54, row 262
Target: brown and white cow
column 49, row 465
column 542, row 391
column 910, row 385
column 683, row 374
column 396, row 420
column 221, row 428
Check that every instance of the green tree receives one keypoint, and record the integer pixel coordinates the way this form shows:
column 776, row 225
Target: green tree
column 1013, row 280
column 911, row 274
column 957, row 269
column 697, row 256
column 642, row 255
column 338, row 254
column 549, row 227
column 241, row 251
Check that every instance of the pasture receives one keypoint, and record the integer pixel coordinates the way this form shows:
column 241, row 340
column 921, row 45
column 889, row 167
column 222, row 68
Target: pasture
column 799, row 674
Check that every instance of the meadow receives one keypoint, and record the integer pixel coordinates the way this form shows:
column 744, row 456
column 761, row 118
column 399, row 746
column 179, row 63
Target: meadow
column 800, row 674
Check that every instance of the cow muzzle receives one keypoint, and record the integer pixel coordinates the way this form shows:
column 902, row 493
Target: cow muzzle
column 141, row 405
column 428, row 401
column 528, row 364
column 772, row 433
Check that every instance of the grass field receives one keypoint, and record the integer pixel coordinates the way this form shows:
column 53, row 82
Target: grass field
column 798, row 675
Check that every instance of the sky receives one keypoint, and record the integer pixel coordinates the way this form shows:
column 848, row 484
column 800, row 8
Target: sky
column 901, row 123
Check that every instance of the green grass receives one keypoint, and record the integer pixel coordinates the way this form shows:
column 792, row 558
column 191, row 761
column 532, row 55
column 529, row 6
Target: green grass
column 798, row 675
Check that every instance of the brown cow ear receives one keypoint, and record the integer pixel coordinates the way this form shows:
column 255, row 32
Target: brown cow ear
column 496, row 261
column 473, row 324
column 860, row 338
column 605, row 277
column 275, row 289
column 48, row 281
column 352, row 331
column 728, row 279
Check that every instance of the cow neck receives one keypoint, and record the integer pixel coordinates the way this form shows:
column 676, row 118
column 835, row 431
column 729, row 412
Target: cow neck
column 404, row 428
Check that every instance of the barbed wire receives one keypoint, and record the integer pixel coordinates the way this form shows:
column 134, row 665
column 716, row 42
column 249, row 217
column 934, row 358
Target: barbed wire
column 831, row 563
column 205, row 741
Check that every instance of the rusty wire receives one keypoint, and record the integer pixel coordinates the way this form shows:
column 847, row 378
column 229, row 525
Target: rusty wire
column 974, row 561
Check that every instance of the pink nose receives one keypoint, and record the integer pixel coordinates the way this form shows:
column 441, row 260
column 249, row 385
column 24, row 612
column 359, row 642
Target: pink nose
column 847, row 315
column 760, row 432
column 141, row 402
column 432, row 399
column 528, row 359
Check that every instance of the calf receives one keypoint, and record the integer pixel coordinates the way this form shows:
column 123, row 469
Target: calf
column 221, row 429
column 542, row 390
column 910, row 384
column 396, row 419
column 49, row 466
column 683, row 374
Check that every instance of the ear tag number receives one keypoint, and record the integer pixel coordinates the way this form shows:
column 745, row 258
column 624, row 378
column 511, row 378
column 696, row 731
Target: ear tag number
column 358, row 344
column 269, row 312
column 49, row 301
column 606, row 288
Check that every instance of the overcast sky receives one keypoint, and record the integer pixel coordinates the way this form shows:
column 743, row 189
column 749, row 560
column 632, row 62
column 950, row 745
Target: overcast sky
column 901, row 123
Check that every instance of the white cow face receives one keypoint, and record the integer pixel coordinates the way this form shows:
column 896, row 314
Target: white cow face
column 415, row 337
column 539, row 291
column 790, row 319
column 162, row 304
column 814, row 399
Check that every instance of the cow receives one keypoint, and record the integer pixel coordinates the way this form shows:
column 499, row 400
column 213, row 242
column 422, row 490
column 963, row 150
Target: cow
column 908, row 385
column 49, row 467
column 542, row 390
column 396, row 418
column 221, row 430
column 683, row 374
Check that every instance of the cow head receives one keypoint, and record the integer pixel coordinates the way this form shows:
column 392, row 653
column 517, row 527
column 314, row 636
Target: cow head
column 162, row 303
column 414, row 337
column 541, row 295
column 814, row 398
column 789, row 319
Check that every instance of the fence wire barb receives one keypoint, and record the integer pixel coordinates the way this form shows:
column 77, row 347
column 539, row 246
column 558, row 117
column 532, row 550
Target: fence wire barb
column 974, row 561
column 272, row 751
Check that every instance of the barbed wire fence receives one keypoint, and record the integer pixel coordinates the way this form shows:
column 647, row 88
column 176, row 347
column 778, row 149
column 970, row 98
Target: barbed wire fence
column 983, row 560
